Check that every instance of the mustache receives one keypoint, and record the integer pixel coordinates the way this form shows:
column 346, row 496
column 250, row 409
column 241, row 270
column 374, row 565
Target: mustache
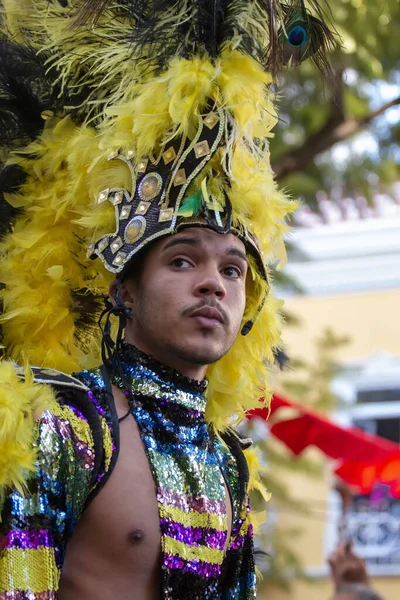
column 187, row 312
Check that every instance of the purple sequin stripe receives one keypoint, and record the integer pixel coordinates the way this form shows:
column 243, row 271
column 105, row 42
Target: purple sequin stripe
column 97, row 404
column 188, row 502
column 20, row 595
column 198, row 567
column 238, row 542
column 194, row 536
column 29, row 539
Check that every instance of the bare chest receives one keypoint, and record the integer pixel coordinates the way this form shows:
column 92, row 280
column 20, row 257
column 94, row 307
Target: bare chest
column 117, row 544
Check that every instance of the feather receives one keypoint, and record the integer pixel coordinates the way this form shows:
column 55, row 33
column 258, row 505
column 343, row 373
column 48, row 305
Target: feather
column 192, row 206
column 91, row 55
column 24, row 94
column 88, row 307
column 158, row 32
column 303, row 36
column 22, row 401
column 12, row 177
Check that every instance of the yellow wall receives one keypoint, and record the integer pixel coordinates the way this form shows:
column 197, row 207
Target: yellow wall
column 372, row 321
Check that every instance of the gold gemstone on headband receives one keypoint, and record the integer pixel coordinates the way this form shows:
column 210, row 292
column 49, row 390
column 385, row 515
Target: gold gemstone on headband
column 117, row 198
column 142, row 208
column 142, row 166
column 201, row 149
column 211, row 120
column 113, row 154
column 103, row 196
column 150, row 186
column 130, row 154
column 102, row 245
column 120, row 259
column 169, row 155
column 135, row 229
column 116, row 245
column 125, row 212
column 166, row 214
column 180, row 177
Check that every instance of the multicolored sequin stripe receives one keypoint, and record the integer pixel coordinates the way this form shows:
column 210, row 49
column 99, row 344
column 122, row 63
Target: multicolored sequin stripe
column 191, row 488
column 35, row 527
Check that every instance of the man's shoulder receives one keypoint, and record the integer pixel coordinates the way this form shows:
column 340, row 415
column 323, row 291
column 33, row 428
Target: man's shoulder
column 52, row 420
column 76, row 401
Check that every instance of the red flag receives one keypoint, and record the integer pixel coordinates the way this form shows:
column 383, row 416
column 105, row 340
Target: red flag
column 364, row 459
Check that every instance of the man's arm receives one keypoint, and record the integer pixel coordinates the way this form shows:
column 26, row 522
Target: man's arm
column 34, row 519
column 41, row 498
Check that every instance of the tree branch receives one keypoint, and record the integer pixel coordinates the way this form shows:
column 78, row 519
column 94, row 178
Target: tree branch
column 331, row 133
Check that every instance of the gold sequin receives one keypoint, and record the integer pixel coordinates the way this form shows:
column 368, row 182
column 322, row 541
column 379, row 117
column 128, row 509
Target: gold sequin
column 201, row 149
column 169, row 155
column 180, row 177
column 211, row 120
column 119, row 259
column 166, row 214
column 103, row 196
column 116, row 245
column 125, row 212
column 142, row 208
column 142, row 166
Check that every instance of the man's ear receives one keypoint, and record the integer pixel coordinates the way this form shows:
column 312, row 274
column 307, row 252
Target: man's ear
column 121, row 297
column 112, row 291
column 122, row 293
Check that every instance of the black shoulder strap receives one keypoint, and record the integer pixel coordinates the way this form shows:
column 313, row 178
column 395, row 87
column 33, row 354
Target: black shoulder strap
column 236, row 445
column 79, row 399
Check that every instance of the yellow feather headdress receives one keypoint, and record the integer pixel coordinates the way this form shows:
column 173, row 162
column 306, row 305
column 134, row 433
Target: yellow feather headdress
column 100, row 96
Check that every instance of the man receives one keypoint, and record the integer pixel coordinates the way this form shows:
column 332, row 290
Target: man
column 187, row 307
column 350, row 576
column 127, row 480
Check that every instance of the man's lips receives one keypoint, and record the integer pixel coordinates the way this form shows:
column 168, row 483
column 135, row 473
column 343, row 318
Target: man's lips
column 208, row 316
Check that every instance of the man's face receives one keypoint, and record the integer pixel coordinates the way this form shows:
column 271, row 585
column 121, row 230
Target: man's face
column 189, row 303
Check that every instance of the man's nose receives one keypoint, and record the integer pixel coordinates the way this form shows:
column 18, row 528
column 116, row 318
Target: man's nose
column 211, row 284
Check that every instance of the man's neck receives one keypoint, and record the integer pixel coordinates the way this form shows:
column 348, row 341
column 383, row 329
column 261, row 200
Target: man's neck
column 196, row 372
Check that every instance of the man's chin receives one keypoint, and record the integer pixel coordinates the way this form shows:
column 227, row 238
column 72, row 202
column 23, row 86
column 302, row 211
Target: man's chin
column 201, row 354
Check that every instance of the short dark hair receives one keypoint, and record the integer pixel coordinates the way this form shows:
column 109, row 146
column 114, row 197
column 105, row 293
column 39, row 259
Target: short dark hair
column 135, row 268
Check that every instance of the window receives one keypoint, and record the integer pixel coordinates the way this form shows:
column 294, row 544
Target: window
column 379, row 395
column 371, row 394
column 374, row 520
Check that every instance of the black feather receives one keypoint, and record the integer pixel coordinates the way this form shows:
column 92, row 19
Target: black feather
column 25, row 92
column 12, row 177
column 282, row 360
column 163, row 29
column 87, row 307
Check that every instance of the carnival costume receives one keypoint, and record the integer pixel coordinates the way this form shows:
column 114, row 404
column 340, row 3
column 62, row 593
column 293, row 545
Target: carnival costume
column 122, row 123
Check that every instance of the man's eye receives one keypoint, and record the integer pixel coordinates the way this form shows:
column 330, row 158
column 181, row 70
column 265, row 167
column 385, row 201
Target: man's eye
column 181, row 263
column 233, row 272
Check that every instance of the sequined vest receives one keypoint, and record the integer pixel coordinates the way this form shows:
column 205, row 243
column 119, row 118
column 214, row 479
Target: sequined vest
column 192, row 469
